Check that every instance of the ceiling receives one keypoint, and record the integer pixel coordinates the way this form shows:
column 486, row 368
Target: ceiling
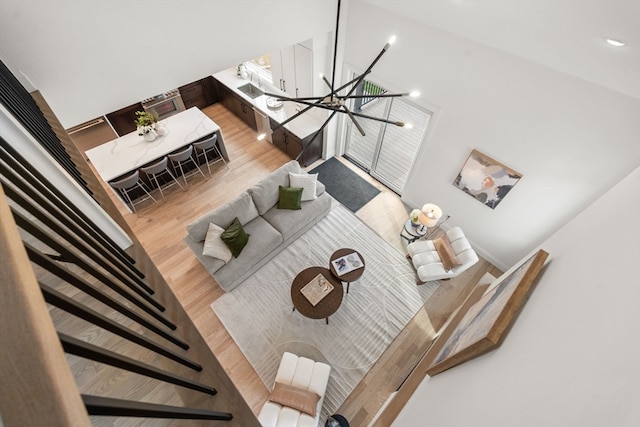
column 566, row 35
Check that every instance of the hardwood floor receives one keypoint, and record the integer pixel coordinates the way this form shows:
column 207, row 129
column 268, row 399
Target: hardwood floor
column 161, row 228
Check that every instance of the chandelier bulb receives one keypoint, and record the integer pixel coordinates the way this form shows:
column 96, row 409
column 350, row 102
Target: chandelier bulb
column 414, row 94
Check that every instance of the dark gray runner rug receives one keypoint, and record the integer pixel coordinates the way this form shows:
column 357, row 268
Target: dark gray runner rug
column 344, row 184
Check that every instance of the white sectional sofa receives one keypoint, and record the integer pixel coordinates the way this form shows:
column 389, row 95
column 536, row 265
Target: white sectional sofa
column 303, row 373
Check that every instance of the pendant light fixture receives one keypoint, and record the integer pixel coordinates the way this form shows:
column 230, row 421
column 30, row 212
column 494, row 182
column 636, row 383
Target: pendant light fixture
column 336, row 102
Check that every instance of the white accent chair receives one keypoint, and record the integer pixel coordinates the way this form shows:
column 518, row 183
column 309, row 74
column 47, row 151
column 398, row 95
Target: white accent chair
column 428, row 264
column 302, row 373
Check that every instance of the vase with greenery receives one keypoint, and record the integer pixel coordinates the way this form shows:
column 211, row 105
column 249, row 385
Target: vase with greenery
column 146, row 123
column 415, row 216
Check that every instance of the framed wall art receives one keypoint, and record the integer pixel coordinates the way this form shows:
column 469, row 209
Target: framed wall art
column 486, row 179
column 485, row 318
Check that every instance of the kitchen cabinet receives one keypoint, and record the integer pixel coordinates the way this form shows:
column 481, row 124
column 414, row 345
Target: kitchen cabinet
column 123, row 120
column 292, row 70
column 245, row 112
column 304, row 70
column 200, row 93
column 292, row 145
column 238, row 106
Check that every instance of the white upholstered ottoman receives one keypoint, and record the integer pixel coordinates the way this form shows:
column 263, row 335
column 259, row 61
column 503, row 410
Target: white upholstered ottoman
column 306, row 376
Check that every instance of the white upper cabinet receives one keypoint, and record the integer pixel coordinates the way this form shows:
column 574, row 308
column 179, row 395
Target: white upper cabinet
column 304, row 70
column 283, row 70
column 292, row 69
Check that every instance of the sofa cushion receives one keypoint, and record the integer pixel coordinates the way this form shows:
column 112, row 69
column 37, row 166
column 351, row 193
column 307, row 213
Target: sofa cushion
column 235, row 238
column 264, row 240
column 214, row 246
column 294, row 397
column 289, row 197
column 242, row 207
column 307, row 181
column 265, row 193
column 289, row 222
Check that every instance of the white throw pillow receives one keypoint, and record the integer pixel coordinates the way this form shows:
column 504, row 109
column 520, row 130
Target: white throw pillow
column 305, row 181
column 214, row 246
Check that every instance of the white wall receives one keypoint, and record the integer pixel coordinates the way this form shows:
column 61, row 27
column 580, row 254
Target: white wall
column 89, row 58
column 571, row 358
column 571, row 140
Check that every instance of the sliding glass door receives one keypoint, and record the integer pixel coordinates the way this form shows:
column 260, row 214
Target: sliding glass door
column 386, row 152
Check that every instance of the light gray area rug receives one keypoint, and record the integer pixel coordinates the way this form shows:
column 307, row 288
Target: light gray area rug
column 258, row 313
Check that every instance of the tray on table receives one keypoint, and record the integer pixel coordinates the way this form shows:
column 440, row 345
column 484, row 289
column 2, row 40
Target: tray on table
column 317, row 288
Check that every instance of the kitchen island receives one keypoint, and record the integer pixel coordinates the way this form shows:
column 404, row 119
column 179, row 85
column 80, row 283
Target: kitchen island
column 129, row 152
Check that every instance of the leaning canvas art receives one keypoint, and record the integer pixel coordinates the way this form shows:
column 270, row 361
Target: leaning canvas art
column 485, row 179
column 488, row 317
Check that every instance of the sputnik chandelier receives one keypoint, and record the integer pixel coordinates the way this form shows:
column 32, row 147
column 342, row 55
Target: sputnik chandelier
column 337, row 103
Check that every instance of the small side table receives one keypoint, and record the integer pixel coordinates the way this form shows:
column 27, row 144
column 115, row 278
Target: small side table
column 411, row 232
column 351, row 276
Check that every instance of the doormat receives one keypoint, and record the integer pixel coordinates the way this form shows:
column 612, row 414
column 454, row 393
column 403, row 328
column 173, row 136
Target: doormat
column 344, row 184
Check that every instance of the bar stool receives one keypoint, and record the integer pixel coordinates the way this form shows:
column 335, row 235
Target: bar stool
column 182, row 157
column 158, row 168
column 207, row 146
column 129, row 183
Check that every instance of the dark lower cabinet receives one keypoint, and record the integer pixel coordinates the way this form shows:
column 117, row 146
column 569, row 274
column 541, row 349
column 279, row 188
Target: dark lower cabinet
column 123, row 120
column 293, row 146
column 238, row 106
column 201, row 93
column 246, row 113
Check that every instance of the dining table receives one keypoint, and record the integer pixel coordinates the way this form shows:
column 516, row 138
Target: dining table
column 122, row 155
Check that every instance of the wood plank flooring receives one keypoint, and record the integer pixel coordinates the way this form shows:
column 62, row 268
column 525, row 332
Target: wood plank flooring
column 161, row 228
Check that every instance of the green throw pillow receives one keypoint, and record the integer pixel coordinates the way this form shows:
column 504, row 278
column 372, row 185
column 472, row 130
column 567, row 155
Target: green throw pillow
column 235, row 237
column 290, row 197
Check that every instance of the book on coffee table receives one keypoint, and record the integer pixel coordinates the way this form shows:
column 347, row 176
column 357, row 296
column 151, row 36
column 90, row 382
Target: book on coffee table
column 318, row 288
column 346, row 264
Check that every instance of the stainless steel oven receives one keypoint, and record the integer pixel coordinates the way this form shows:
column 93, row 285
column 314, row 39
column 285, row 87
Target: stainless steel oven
column 164, row 105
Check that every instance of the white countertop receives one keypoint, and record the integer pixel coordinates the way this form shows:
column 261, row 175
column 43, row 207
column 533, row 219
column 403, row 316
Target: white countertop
column 302, row 126
column 121, row 155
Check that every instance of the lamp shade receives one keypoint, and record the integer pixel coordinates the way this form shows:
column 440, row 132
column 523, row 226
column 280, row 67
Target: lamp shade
column 429, row 215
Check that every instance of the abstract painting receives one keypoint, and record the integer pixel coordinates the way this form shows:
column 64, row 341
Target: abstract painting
column 485, row 324
column 485, row 179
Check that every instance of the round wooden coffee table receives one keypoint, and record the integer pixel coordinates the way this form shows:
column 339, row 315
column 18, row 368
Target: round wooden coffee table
column 351, row 276
column 327, row 306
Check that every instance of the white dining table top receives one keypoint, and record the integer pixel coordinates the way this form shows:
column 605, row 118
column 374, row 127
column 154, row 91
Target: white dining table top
column 128, row 152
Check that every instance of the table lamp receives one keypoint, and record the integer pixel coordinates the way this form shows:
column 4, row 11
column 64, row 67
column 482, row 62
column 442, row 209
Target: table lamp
column 429, row 216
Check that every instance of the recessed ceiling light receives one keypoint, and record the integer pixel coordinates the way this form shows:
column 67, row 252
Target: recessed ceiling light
column 616, row 42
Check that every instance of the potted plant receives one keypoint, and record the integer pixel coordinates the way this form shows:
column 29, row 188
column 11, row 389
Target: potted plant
column 146, row 123
column 415, row 215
